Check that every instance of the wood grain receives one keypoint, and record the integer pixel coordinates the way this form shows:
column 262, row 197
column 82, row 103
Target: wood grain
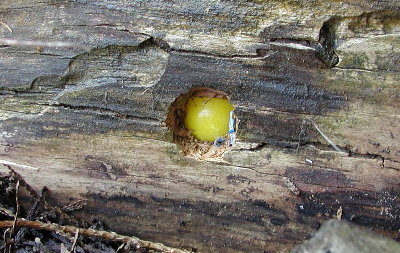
column 92, row 121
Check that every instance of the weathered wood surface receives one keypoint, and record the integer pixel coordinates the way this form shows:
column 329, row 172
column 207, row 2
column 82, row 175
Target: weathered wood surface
column 93, row 120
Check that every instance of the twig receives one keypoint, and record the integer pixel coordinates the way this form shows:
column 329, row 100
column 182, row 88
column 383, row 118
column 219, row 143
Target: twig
column 6, row 212
column 62, row 237
column 14, row 222
column 5, row 241
column 6, row 26
column 121, row 247
column 33, row 43
column 302, row 130
column 92, row 233
column 75, row 240
column 38, row 199
column 4, row 162
column 32, row 191
column 31, row 215
column 145, row 90
column 22, row 181
column 326, row 137
column 18, row 207
column 63, row 249
column 339, row 213
column 79, row 204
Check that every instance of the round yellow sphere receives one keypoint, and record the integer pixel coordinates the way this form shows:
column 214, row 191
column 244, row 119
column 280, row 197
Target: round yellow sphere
column 207, row 118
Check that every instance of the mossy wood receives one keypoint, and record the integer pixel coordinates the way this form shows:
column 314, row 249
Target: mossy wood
column 91, row 117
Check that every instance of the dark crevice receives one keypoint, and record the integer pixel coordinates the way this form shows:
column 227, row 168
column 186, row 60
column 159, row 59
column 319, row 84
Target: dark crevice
column 325, row 48
column 20, row 91
column 294, row 146
column 165, row 46
column 260, row 146
column 392, row 168
column 41, row 53
column 376, row 157
column 154, row 41
column 259, row 54
column 284, row 144
column 333, row 186
column 378, row 70
column 303, row 42
column 324, row 147
column 7, row 92
column 318, row 145
column 160, row 43
column 105, row 111
column 295, row 112
column 327, row 147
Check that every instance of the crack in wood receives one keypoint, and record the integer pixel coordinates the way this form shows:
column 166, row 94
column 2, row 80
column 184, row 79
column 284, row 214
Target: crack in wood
column 325, row 49
column 378, row 70
column 106, row 112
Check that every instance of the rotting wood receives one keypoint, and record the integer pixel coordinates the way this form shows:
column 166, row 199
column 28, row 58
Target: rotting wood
column 92, row 121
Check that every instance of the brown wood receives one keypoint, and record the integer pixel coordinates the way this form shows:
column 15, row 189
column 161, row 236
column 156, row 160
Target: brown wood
column 92, row 120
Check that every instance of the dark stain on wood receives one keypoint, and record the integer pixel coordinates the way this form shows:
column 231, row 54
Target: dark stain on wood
column 67, row 121
column 379, row 210
column 238, row 179
column 268, row 127
column 262, row 88
column 274, row 100
column 188, row 216
column 99, row 167
column 320, row 177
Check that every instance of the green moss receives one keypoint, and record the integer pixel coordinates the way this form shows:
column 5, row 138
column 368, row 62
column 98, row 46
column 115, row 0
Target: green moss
column 369, row 86
column 341, row 120
column 385, row 21
column 13, row 106
column 356, row 60
column 346, row 127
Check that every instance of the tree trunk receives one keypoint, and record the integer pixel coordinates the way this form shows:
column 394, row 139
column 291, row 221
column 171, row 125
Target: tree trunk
column 314, row 85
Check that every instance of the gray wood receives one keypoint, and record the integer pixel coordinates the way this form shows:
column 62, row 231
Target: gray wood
column 91, row 117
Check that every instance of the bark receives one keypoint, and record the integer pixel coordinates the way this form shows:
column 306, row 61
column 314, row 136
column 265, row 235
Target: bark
column 91, row 115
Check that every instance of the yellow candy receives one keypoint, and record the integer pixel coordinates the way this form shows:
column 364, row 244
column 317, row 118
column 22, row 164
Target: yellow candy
column 208, row 118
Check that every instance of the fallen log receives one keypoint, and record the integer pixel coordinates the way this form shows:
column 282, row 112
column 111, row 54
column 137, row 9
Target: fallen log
column 90, row 115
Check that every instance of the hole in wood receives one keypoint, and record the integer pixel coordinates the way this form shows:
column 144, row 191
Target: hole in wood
column 202, row 123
